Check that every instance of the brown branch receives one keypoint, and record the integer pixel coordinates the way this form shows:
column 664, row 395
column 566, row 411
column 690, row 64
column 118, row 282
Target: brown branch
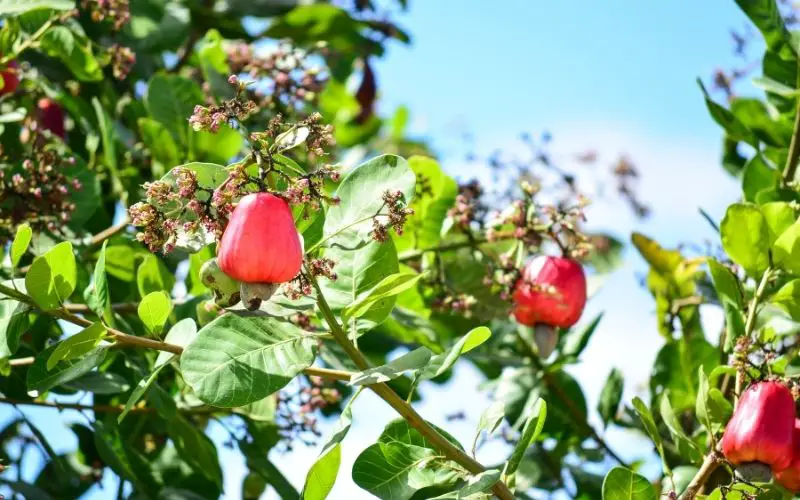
column 402, row 407
column 574, row 413
column 710, row 464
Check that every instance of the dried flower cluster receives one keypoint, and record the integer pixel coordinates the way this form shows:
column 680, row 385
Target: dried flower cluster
column 469, row 207
column 117, row 12
column 184, row 208
column 395, row 218
column 37, row 190
column 211, row 117
column 122, row 60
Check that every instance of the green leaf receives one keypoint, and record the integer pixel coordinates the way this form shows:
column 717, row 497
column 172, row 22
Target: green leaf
column 322, row 475
column 767, row 84
column 20, row 244
column 100, row 298
column 153, row 276
column 209, row 175
column 41, row 379
column 769, row 21
column 52, row 277
column 77, row 345
column 412, row 360
column 108, row 136
column 610, row 396
column 396, row 470
column 745, row 237
column 474, row 488
column 736, row 130
column 99, row 383
column 161, row 145
column 75, row 51
column 713, row 410
column 758, row 176
column 170, row 100
column 392, row 285
column 360, row 267
column 220, row 147
column 650, row 426
column 530, row 433
column 241, row 358
column 688, row 448
column 576, row 339
column 779, row 216
column 154, row 310
column 424, row 228
column 182, row 334
column 490, row 420
column 442, row 362
column 14, row 322
column 730, row 297
column 787, row 249
column 624, row 484
column 123, row 459
column 360, row 194
column 17, row 7
column 788, row 298
column 676, row 368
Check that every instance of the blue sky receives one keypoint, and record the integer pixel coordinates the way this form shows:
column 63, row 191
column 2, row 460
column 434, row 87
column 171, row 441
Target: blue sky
column 617, row 76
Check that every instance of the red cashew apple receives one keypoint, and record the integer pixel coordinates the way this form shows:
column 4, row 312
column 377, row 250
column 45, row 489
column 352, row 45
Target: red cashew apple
column 10, row 78
column 761, row 427
column 261, row 244
column 51, row 116
column 552, row 291
column 789, row 477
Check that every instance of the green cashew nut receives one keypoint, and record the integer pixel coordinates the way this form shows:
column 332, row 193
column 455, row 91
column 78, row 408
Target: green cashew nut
column 207, row 311
column 225, row 288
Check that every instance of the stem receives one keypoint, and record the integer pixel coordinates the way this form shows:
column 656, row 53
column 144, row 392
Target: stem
column 794, row 146
column 28, row 43
column 713, row 460
column 573, row 411
column 710, row 464
column 448, row 449
column 470, row 242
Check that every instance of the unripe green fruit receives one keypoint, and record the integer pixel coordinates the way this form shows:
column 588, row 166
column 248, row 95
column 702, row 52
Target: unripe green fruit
column 253, row 293
column 226, row 289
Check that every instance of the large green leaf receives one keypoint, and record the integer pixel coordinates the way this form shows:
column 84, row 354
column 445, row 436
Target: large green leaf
column 170, row 100
column 787, row 249
column 392, row 285
column 360, row 194
column 41, row 379
column 745, row 237
column 100, row 299
column 77, row 345
column 52, row 277
column 154, row 310
column 676, row 368
column 241, row 358
column 530, row 433
column 686, row 447
column 649, row 424
column 730, row 297
column 769, row 21
column 397, row 471
column 624, row 484
column 360, row 267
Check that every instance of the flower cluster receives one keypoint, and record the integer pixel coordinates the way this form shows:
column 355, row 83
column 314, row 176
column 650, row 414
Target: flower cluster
column 293, row 80
column 322, row 267
column 122, row 61
column 458, row 303
column 626, row 174
column 395, row 219
column 116, row 11
column 211, row 117
column 469, row 206
column 39, row 192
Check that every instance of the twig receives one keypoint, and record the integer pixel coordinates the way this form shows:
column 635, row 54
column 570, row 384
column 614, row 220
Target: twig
column 710, row 464
column 694, row 300
column 405, row 410
column 457, row 245
column 794, row 146
column 574, row 412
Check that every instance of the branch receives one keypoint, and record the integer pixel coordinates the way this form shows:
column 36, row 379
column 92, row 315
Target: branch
column 714, row 459
column 574, row 412
column 794, row 146
column 405, row 410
